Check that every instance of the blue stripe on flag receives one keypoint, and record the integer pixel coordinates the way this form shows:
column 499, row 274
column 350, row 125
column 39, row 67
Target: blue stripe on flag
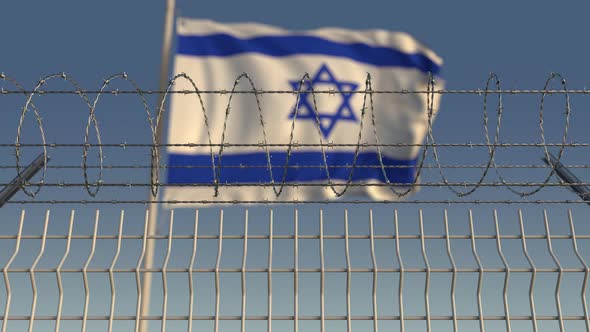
column 261, row 174
column 227, row 45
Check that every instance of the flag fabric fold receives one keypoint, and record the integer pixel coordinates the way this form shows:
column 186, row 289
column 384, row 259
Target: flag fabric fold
column 300, row 141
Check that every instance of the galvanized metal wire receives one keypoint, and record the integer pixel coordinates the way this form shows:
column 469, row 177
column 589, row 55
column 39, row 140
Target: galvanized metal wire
column 395, row 303
column 271, row 269
column 431, row 148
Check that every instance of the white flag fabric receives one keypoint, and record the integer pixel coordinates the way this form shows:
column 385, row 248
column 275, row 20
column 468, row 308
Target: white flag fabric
column 261, row 127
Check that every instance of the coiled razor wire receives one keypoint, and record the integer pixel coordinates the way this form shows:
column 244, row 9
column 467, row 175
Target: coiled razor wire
column 278, row 180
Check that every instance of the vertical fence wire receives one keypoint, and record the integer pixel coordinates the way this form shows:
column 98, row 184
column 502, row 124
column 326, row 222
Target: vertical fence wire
column 401, row 273
column 191, row 267
column 217, row 268
column 111, row 271
column 5, row 271
column 559, row 273
column 322, row 276
column 296, row 271
column 60, row 300
column 480, row 272
column 165, row 272
column 85, row 271
column 243, row 273
column 453, row 271
column 137, row 271
column 32, row 272
column 427, row 278
column 586, row 269
column 375, row 270
column 506, row 274
column 269, row 274
column 407, row 268
column 533, row 274
column 348, row 273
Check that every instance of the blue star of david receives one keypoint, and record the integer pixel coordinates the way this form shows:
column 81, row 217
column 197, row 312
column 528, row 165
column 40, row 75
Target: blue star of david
column 324, row 80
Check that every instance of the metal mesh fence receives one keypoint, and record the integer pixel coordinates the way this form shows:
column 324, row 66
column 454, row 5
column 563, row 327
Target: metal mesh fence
column 551, row 128
column 457, row 256
column 294, row 271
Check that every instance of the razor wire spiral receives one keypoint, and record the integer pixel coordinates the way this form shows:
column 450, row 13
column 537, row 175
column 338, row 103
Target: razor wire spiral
column 278, row 178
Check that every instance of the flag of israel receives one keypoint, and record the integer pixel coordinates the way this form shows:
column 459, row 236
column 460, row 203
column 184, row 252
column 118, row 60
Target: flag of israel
column 256, row 163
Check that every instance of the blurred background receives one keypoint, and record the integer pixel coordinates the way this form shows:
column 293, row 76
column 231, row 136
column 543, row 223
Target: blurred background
column 522, row 42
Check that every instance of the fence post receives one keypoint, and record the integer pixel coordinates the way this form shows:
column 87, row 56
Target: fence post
column 153, row 207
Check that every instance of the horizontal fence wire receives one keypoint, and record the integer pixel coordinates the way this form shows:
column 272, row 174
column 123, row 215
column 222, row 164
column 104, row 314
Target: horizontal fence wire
column 430, row 171
column 369, row 272
column 289, row 268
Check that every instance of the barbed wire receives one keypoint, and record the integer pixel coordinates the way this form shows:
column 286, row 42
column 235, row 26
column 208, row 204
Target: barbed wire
column 301, row 184
column 298, row 202
column 278, row 174
column 291, row 92
column 329, row 145
column 165, row 166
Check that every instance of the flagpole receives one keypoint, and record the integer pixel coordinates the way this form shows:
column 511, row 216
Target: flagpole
column 153, row 207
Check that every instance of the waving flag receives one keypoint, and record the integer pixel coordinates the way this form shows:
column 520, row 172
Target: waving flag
column 256, row 130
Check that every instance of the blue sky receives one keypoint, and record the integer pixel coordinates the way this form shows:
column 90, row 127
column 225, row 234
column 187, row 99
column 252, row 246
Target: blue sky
column 520, row 41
